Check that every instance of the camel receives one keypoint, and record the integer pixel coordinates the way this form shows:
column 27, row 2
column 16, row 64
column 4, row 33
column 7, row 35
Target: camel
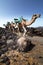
column 25, row 23
column 10, row 26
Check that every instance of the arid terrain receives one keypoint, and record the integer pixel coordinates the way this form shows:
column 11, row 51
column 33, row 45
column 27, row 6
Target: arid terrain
column 33, row 55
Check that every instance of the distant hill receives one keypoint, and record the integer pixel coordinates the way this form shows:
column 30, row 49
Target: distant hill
column 35, row 31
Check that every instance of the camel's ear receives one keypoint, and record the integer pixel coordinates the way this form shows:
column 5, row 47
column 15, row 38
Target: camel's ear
column 34, row 14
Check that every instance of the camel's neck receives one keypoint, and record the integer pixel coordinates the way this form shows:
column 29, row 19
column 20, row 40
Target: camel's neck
column 31, row 21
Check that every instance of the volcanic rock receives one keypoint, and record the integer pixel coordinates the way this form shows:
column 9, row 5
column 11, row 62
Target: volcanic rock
column 23, row 43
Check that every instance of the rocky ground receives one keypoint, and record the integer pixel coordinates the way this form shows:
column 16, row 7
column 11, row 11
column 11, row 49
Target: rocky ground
column 13, row 53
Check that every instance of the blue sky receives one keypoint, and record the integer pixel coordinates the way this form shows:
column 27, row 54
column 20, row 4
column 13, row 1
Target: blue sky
column 16, row 8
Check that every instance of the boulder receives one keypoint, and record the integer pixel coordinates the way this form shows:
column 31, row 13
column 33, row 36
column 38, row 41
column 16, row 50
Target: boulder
column 5, row 59
column 10, row 43
column 3, row 37
column 23, row 43
column 4, row 49
column 1, row 52
column 2, row 42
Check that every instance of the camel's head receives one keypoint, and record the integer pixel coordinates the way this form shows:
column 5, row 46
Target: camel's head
column 36, row 15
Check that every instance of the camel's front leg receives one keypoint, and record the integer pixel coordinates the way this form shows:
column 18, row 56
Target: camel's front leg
column 24, row 31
